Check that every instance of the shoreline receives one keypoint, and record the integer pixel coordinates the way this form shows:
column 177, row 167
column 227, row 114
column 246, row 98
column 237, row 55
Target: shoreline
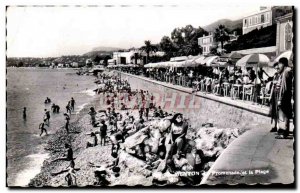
column 207, row 138
column 61, row 137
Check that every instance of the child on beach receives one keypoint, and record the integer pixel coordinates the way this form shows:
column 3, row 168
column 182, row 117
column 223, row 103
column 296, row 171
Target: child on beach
column 95, row 141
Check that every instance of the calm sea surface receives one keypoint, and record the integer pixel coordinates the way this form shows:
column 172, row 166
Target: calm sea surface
column 29, row 87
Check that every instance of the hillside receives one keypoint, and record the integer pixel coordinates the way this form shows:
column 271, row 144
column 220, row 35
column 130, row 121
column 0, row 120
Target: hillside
column 231, row 25
column 100, row 51
column 106, row 49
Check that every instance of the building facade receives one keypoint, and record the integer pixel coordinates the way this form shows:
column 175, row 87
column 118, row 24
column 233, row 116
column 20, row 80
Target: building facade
column 206, row 42
column 264, row 17
column 284, row 33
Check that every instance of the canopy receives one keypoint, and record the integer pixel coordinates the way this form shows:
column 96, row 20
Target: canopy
column 254, row 60
column 177, row 64
column 192, row 61
column 199, row 61
column 220, row 64
column 209, row 60
column 232, row 55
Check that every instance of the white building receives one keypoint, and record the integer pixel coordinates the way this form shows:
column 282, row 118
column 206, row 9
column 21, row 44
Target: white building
column 206, row 42
column 75, row 64
column 123, row 57
column 264, row 17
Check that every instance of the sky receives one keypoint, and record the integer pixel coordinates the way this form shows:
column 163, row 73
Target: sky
column 54, row 31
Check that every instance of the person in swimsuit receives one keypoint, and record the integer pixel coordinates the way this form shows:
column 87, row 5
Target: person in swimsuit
column 24, row 113
column 72, row 104
column 67, row 122
column 178, row 132
column 69, row 156
column 47, row 117
column 42, row 128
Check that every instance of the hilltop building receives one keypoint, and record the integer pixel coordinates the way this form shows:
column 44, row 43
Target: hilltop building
column 264, row 17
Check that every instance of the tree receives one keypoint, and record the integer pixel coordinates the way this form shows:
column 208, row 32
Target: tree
column 221, row 35
column 214, row 50
column 167, row 46
column 20, row 64
column 185, row 40
column 97, row 59
column 148, row 48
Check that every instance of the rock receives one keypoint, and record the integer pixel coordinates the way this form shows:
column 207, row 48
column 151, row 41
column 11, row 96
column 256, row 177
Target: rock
column 136, row 138
column 167, row 176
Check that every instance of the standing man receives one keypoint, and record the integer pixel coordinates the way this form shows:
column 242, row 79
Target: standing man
column 103, row 132
column 284, row 99
column 67, row 122
column 72, row 104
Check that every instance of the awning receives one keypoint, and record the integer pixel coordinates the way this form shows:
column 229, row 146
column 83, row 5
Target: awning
column 199, row 61
column 209, row 60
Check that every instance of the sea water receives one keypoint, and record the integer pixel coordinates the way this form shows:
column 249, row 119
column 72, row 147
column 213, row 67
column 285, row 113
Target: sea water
column 29, row 87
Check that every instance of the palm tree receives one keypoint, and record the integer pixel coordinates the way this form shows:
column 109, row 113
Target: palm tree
column 148, row 47
column 221, row 35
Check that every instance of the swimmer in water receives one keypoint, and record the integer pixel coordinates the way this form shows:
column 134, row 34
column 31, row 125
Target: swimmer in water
column 24, row 113
column 42, row 128
column 47, row 116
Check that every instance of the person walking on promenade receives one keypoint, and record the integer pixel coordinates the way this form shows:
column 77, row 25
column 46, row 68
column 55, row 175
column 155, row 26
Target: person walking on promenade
column 72, row 104
column 42, row 128
column 283, row 89
column 103, row 133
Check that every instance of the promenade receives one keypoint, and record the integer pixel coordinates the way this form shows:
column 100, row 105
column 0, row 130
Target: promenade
column 259, row 156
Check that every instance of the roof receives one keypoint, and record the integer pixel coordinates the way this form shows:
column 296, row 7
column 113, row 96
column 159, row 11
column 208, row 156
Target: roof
column 284, row 17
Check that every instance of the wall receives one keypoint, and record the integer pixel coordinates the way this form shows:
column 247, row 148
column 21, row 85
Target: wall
column 204, row 109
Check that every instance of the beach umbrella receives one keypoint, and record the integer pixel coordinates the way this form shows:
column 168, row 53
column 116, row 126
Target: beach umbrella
column 253, row 60
column 233, row 57
column 287, row 54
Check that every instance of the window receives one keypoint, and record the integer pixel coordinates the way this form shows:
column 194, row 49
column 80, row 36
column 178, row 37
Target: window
column 288, row 37
column 262, row 18
column 250, row 21
column 245, row 22
column 267, row 17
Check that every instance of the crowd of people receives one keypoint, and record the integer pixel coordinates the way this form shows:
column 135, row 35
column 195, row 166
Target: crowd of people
column 255, row 85
column 120, row 125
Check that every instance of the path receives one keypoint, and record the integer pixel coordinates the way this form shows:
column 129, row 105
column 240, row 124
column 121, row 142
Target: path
column 258, row 151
